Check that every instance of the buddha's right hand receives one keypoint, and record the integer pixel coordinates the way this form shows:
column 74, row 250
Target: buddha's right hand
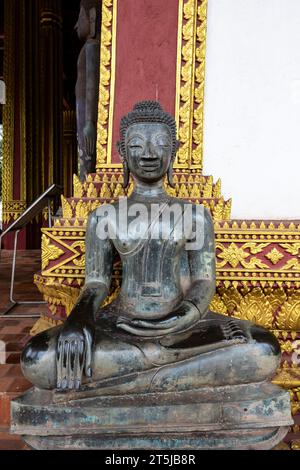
column 74, row 355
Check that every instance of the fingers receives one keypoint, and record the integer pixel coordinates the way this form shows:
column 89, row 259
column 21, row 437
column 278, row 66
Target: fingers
column 59, row 358
column 88, row 353
column 90, row 144
column 144, row 332
column 71, row 365
column 70, row 362
column 179, row 324
column 155, row 325
column 79, row 362
column 65, row 365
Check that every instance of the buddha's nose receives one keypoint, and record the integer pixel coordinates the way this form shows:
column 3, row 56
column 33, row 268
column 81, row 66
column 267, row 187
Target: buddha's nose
column 149, row 152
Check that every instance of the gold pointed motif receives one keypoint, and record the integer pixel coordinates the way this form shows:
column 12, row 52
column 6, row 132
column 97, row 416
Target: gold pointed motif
column 207, row 191
column 92, row 191
column 77, row 187
column 217, row 209
column 66, row 208
column 217, row 189
column 50, row 252
column 105, row 192
column 227, row 210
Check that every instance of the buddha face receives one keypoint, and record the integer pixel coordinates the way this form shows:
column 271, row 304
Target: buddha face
column 149, row 150
column 83, row 25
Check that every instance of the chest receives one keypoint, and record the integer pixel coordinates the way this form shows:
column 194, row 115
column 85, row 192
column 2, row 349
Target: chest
column 158, row 236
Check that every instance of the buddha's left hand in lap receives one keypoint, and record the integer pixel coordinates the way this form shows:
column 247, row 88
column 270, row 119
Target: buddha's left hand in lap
column 185, row 316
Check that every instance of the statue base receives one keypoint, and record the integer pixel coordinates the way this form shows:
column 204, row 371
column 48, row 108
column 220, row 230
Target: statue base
column 252, row 416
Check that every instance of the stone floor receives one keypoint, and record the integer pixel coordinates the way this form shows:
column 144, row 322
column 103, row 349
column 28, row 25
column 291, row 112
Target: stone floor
column 14, row 333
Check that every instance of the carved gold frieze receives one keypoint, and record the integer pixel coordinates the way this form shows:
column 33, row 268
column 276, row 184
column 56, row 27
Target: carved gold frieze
column 257, row 253
column 198, row 108
column 185, row 72
column 12, row 210
column 107, row 187
column 107, row 79
column 274, row 309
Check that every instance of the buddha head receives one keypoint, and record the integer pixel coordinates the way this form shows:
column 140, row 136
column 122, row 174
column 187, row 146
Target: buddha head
column 88, row 23
column 148, row 143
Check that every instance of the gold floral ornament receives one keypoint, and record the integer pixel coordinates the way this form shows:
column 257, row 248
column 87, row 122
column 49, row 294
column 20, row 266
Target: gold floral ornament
column 232, row 255
column 274, row 256
column 235, row 255
column 49, row 252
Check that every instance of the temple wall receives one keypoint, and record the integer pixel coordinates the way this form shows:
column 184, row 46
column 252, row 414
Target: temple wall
column 252, row 105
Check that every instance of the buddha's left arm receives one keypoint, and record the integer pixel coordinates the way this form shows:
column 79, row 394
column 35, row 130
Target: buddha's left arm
column 92, row 82
column 202, row 264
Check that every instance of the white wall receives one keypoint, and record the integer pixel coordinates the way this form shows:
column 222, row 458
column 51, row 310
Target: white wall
column 252, row 105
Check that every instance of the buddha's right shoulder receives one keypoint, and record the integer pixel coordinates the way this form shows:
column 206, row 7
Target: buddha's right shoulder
column 104, row 210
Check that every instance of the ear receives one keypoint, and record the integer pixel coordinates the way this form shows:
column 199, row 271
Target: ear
column 93, row 19
column 126, row 172
column 119, row 148
column 170, row 173
column 170, row 169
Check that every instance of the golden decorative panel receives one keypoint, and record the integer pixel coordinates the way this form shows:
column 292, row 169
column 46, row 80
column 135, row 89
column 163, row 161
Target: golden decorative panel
column 258, row 253
column 271, row 308
column 63, row 253
column 190, row 76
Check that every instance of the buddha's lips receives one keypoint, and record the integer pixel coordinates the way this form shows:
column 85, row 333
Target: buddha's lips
column 150, row 168
column 150, row 165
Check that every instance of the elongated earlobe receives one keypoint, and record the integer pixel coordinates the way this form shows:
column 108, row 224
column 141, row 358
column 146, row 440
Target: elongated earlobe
column 170, row 175
column 170, row 169
column 126, row 172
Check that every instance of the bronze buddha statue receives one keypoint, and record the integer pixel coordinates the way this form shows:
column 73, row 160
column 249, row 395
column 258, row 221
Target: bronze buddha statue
column 158, row 335
column 162, row 310
column 87, row 84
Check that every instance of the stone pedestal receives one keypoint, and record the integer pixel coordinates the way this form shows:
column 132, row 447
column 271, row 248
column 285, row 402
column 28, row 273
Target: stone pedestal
column 254, row 416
